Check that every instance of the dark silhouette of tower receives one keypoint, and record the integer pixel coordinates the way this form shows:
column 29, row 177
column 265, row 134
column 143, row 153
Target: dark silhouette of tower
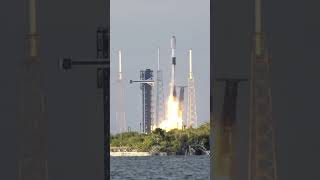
column 262, row 146
column 146, row 85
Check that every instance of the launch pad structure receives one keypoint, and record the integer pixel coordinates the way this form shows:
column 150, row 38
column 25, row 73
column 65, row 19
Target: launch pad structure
column 146, row 85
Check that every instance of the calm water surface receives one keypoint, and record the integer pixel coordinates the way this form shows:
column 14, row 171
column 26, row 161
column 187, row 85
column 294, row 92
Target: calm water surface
column 160, row 167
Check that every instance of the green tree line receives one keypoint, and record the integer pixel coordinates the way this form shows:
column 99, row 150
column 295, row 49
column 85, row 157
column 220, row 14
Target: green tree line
column 161, row 141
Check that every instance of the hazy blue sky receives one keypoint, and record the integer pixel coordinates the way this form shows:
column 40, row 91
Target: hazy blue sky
column 138, row 27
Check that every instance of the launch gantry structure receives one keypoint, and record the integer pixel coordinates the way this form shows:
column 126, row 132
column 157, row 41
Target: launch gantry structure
column 146, row 85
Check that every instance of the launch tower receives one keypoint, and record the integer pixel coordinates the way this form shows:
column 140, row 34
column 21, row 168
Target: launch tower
column 146, row 85
column 146, row 100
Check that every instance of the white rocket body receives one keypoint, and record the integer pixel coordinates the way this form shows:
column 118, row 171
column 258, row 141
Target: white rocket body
column 173, row 56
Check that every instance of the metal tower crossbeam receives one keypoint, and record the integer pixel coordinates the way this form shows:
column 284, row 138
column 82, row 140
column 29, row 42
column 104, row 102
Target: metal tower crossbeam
column 150, row 82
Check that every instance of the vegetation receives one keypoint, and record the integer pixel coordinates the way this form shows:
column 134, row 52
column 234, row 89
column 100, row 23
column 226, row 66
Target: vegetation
column 161, row 141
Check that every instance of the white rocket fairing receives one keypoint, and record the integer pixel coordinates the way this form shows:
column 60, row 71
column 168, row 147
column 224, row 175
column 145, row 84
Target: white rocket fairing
column 173, row 56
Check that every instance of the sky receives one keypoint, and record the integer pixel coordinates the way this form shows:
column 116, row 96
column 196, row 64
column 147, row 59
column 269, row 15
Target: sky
column 138, row 28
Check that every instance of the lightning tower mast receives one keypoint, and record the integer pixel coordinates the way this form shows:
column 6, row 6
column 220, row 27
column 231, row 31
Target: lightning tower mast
column 160, row 110
column 262, row 149
column 32, row 122
column 192, row 110
column 120, row 114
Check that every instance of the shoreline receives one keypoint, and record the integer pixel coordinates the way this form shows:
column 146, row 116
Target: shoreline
column 127, row 154
column 144, row 154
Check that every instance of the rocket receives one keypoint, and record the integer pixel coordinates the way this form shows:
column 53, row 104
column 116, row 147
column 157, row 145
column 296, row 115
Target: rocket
column 173, row 56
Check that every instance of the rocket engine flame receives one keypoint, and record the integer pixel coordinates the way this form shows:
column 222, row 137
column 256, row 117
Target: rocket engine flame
column 174, row 116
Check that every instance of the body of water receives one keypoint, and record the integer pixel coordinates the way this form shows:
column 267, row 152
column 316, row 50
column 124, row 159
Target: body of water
column 160, row 167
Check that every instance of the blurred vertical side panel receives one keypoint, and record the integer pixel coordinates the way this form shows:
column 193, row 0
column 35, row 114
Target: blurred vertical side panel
column 74, row 103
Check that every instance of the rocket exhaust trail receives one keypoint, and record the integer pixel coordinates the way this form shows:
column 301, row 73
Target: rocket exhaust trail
column 173, row 56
